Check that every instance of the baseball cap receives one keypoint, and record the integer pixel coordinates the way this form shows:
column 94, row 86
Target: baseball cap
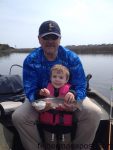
column 49, row 27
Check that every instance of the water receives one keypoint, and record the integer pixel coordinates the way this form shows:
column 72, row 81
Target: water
column 100, row 66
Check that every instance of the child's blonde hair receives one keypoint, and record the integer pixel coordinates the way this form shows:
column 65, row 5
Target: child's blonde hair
column 62, row 69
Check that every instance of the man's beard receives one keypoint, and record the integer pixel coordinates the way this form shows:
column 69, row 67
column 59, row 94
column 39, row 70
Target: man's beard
column 51, row 53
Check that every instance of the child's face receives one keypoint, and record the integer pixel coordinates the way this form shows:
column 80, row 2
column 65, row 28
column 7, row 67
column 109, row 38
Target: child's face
column 58, row 79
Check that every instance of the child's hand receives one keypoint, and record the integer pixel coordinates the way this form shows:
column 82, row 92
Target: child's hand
column 44, row 92
column 70, row 104
column 69, row 98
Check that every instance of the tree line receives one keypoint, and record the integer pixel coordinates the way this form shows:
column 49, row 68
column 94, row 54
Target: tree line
column 80, row 49
column 92, row 49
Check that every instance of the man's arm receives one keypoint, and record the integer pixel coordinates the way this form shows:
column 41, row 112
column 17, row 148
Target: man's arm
column 78, row 79
column 30, row 80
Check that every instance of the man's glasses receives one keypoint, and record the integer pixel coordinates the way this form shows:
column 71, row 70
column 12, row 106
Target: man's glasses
column 50, row 37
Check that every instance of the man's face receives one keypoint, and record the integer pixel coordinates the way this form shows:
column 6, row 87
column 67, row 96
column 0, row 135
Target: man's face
column 58, row 78
column 50, row 44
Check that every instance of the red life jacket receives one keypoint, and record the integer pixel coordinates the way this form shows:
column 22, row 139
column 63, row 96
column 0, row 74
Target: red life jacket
column 57, row 117
column 62, row 91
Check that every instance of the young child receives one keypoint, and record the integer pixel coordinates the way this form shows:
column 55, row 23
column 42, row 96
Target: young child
column 58, row 87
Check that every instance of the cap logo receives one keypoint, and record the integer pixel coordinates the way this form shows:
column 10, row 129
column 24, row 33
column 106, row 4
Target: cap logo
column 50, row 26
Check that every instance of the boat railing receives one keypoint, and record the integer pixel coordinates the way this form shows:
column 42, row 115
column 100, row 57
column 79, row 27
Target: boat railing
column 14, row 65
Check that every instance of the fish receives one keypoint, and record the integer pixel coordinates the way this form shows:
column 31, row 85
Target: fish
column 57, row 102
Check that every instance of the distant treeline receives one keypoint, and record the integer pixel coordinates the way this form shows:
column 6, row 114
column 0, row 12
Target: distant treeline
column 92, row 49
column 81, row 49
column 5, row 47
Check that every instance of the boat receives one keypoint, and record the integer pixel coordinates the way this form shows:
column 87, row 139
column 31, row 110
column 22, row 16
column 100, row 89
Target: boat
column 104, row 135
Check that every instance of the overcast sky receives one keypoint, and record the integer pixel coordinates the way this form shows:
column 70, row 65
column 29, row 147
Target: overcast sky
column 82, row 22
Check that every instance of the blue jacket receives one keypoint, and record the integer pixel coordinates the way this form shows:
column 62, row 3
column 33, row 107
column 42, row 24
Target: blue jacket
column 36, row 72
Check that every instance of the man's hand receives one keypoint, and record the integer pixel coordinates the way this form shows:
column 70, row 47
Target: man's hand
column 44, row 92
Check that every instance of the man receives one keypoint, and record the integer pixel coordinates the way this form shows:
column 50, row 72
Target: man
column 36, row 75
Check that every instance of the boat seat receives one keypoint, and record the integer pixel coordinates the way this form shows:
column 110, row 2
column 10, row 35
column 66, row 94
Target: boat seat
column 10, row 106
column 6, row 110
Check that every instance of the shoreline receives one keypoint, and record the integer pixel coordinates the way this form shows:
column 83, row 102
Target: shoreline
column 81, row 49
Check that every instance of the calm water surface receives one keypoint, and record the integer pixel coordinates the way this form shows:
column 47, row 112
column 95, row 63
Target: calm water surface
column 100, row 66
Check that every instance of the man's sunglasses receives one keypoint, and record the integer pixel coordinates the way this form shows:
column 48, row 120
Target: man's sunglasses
column 50, row 37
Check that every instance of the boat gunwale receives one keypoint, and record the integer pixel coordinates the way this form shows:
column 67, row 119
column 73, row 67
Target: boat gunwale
column 101, row 100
